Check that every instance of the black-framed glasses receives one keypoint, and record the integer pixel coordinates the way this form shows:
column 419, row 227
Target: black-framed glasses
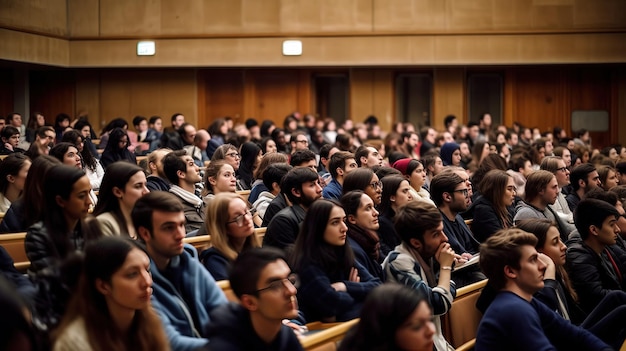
column 562, row 169
column 233, row 155
column 377, row 185
column 239, row 219
column 302, row 141
column 279, row 285
column 465, row 192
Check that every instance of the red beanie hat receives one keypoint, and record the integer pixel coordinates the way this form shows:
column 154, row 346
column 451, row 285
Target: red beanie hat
column 401, row 165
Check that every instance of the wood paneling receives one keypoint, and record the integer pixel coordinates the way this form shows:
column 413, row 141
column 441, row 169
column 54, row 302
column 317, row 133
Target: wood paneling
column 84, row 18
column 448, row 95
column 223, row 94
column 42, row 16
column 371, row 92
column 538, row 98
column 52, row 92
column 32, row 48
column 276, row 94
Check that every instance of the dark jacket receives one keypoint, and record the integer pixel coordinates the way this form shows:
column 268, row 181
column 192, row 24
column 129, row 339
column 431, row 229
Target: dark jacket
column 373, row 267
column 486, row 221
column 231, row 329
column 22, row 284
column 14, row 221
column 590, row 277
column 389, row 238
column 273, row 208
column 284, row 227
column 40, row 248
column 216, row 263
column 155, row 183
column 319, row 300
column 459, row 235
column 110, row 156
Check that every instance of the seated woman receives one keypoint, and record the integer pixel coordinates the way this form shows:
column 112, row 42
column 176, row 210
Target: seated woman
column 250, row 158
column 607, row 321
column 111, row 309
column 362, row 222
column 492, row 210
column 123, row 184
column 117, row 149
column 19, row 216
column 68, row 154
column 413, row 171
column 219, row 177
column 257, row 186
column 333, row 285
column 396, row 193
column 232, row 231
column 608, row 177
column 91, row 165
column 58, row 233
column 366, row 180
column 231, row 155
column 13, row 173
column 394, row 317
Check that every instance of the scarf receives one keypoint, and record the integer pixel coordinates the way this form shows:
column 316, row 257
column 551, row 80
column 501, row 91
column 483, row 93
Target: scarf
column 187, row 196
column 367, row 239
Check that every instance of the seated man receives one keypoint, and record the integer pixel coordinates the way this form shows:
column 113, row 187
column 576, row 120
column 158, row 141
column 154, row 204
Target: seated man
column 302, row 188
column 341, row 163
column 184, row 293
column 515, row 320
column 595, row 265
column 156, row 179
column 368, row 156
column 419, row 225
column 183, row 173
column 271, row 179
column 266, row 289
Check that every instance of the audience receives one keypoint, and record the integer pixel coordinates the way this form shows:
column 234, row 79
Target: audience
column 396, row 193
column 492, row 209
column 13, row 173
column 183, row 174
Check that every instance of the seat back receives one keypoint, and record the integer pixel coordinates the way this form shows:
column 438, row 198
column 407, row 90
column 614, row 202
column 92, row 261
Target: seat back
column 14, row 244
column 460, row 324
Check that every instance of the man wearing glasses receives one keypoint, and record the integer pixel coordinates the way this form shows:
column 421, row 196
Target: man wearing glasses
column 299, row 141
column 184, row 292
column 266, row 289
column 557, row 166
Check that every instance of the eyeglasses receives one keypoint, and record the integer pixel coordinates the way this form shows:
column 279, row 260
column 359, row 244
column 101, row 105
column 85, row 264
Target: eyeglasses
column 239, row 219
column 234, row 155
column 279, row 285
column 302, row 141
column 465, row 192
column 562, row 169
column 377, row 185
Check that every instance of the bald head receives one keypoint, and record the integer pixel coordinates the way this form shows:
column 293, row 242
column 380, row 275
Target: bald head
column 201, row 140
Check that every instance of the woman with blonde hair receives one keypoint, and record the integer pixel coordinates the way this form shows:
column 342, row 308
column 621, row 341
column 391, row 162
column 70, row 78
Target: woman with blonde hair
column 232, row 231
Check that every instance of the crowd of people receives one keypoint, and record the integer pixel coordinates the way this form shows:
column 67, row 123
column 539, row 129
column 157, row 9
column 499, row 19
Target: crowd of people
column 359, row 222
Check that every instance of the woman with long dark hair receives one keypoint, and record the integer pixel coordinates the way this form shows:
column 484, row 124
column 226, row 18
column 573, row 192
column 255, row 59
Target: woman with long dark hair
column 396, row 193
column 117, row 149
column 334, row 285
column 58, row 233
column 362, row 222
column 111, row 309
column 13, row 172
column 250, row 158
column 394, row 317
column 607, row 320
column 123, row 184
column 492, row 209
column 232, row 231
column 91, row 165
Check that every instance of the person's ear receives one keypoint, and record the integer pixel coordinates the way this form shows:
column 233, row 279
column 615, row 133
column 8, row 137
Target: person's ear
column 180, row 174
column 296, row 192
column 363, row 160
column 249, row 302
column 581, row 183
column 340, row 171
column 593, row 230
column 509, row 272
column 144, row 234
column 351, row 219
column 392, row 198
column 212, row 181
column 416, row 244
column 60, row 201
column 10, row 178
column 117, row 192
column 276, row 186
column 447, row 197
column 103, row 287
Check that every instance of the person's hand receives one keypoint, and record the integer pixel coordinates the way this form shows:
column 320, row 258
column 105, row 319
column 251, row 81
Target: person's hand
column 550, row 272
column 339, row 286
column 445, row 255
column 354, row 275
column 467, row 256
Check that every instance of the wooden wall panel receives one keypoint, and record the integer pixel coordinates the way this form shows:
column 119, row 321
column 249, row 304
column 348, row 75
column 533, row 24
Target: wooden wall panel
column 538, row 99
column 52, row 92
column 42, row 16
column 131, row 18
column 383, row 99
column 33, row 48
column 224, row 95
column 84, row 18
column 88, row 96
column 276, row 94
column 125, row 94
column 448, row 95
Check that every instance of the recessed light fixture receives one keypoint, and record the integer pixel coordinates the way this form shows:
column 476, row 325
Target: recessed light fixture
column 146, row 48
column 292, row 48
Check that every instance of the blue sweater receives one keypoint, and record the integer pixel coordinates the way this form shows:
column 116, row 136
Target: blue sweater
column 333, row 190
column 512, row 323
column 184, row 294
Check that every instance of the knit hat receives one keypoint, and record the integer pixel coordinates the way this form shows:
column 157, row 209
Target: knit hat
column 402, row 165
column 446, row 152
